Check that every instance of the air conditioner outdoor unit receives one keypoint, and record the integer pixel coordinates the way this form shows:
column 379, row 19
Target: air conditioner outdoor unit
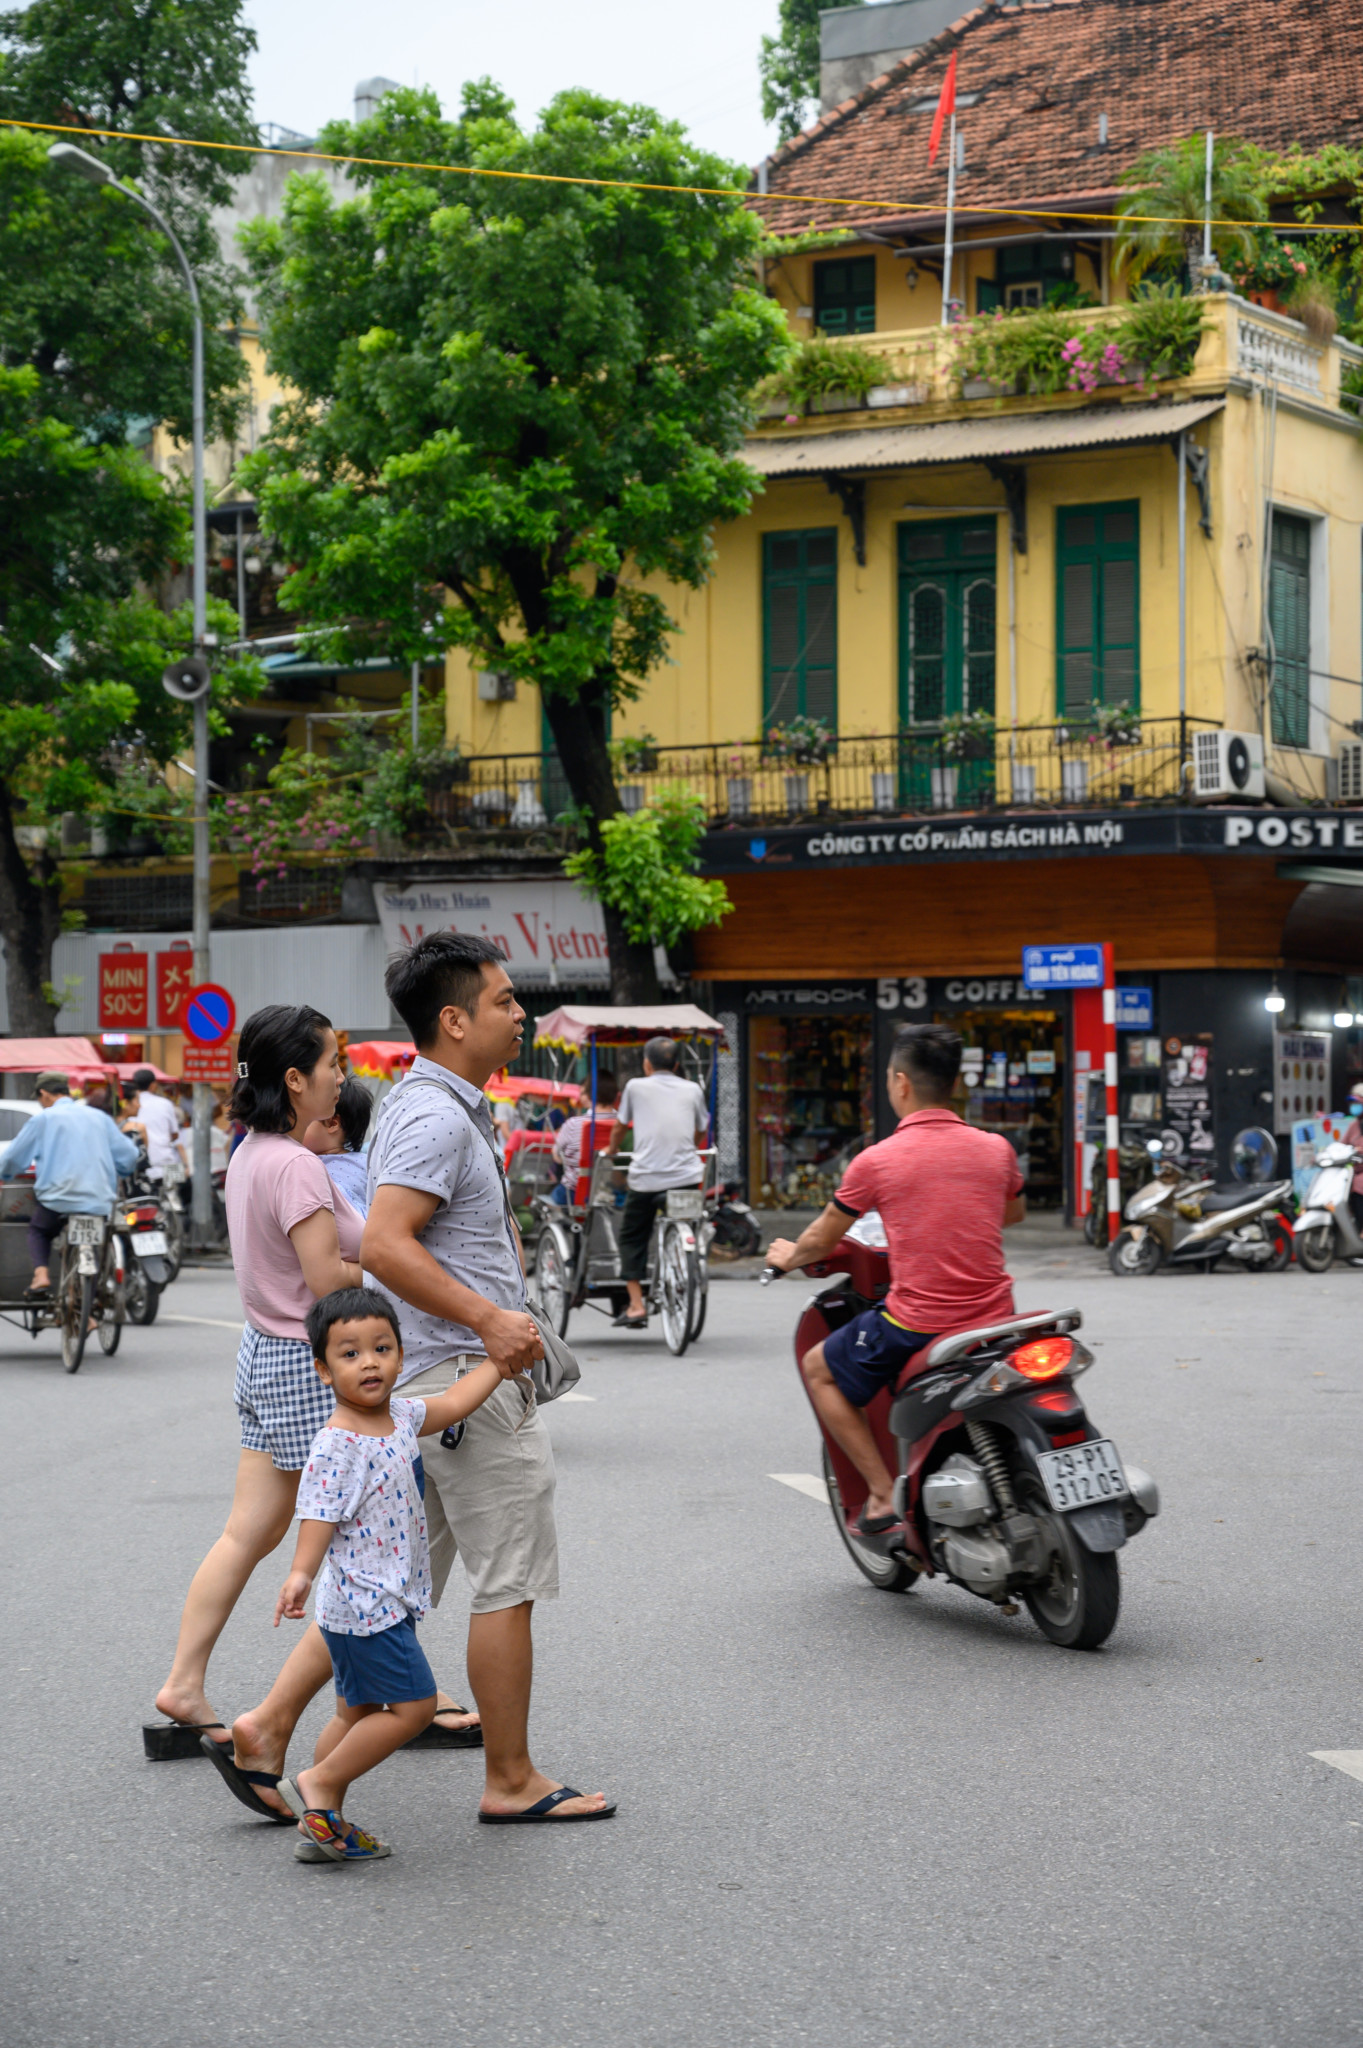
column 1228, row 764
column 495, row 686
column 1350, row 789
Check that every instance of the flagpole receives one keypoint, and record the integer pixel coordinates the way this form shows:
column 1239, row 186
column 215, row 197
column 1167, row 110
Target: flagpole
column 951, row 219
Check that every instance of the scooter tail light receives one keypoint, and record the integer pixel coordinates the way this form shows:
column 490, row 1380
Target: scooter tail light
column 1044, row 1359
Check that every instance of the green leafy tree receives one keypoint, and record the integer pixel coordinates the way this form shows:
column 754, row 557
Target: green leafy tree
column 1171, row 182
column 645, row 869
column 789, row 65
column 514, row 402
column 95, row 338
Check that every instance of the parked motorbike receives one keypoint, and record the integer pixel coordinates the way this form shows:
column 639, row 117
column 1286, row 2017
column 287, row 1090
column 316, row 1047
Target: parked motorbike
column 1135, row 1167
column 141, row 1255
column 1327, row 1228
column 735, row 1230
column 1181, row 1220
column 1004, row 1486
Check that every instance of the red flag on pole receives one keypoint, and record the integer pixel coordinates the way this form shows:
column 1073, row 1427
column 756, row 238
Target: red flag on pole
column 946, row 107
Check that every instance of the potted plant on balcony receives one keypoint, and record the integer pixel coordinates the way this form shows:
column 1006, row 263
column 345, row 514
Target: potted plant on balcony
column 804, row 740
column 968, row 736
column 823, row 376
column 1115, row 725
column 634, row 755
column 1160, row 332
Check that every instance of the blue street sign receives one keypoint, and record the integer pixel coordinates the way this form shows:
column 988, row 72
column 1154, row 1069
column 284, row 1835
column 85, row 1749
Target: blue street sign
column 1062, row 966
column 1135, row 1009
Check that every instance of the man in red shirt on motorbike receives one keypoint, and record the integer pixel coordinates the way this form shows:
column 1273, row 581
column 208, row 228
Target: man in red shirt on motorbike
column 944, row 1192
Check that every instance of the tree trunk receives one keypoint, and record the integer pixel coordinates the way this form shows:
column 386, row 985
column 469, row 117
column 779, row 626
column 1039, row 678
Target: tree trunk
column 30, row 918
column 579, row 729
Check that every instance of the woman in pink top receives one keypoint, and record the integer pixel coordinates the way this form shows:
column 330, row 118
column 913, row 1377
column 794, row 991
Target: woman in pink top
column 294, row 1238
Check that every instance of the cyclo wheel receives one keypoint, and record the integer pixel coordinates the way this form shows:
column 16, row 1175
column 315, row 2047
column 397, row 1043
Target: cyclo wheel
column 676, row 1288
column 77, row 1300
column 702, row 1273
column 890, row 1574
column 553, row 1294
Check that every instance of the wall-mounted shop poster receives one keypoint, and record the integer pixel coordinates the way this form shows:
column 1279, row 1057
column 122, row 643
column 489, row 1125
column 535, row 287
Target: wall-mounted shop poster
column 1301, row 1076
column 1188, row 1134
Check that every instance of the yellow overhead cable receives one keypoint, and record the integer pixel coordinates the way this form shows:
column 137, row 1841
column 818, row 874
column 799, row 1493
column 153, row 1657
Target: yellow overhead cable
column 386, row 163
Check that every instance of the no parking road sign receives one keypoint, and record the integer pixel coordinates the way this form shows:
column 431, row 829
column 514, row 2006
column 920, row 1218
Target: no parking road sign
column 209, row 1014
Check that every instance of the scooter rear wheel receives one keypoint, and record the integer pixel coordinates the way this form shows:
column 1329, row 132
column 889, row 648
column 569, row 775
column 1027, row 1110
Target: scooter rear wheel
column 1282, row 1246
column 890, row 1574
column 1128, row 1255
column 1316, row 1248
column 1077, row 1606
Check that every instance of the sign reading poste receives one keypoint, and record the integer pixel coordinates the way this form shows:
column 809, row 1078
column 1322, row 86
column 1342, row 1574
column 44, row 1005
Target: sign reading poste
column 546, row 929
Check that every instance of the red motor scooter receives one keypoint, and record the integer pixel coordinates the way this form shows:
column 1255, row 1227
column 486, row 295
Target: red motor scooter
column 1004, row 1486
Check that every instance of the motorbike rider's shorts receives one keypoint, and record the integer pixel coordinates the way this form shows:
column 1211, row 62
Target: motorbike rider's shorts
column 869, row 1353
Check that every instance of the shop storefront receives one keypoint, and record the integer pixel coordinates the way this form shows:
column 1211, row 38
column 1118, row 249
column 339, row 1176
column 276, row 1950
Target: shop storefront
column 1207, row 917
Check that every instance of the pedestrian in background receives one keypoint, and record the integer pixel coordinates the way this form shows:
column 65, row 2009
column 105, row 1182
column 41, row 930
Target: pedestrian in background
column 157, row 1123
column 293, row 1239
column 669, row 1119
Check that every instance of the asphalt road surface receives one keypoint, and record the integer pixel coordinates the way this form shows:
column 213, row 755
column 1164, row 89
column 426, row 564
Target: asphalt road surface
column 845, row 1817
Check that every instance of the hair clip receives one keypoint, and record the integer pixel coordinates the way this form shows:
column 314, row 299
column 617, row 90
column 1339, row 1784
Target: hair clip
column 243, row 1072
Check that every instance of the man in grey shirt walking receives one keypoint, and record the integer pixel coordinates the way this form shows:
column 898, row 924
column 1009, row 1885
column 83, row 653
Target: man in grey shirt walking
column 439, row 1238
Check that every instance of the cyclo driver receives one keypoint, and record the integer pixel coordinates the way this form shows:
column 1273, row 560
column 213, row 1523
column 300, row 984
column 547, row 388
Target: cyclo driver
column 945, row 1193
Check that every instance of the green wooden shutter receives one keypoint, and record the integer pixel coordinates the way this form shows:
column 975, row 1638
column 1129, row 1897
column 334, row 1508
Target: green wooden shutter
column 845, row 296
column 1289, row 615
column 800, row 626
column 1097, row 607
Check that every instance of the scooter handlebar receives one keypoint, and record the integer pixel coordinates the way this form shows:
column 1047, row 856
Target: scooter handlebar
column 770, row 1273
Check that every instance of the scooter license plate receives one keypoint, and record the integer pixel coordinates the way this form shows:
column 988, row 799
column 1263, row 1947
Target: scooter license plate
column 85, row 1230
column 150, row 1244
column 1083, row 1476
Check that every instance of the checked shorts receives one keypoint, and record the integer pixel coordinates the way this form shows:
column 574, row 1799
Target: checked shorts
column 281, row 1401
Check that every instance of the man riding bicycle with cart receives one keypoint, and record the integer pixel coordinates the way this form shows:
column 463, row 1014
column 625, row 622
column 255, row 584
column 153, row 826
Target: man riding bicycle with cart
column 944, row 1193
column 77, row 1154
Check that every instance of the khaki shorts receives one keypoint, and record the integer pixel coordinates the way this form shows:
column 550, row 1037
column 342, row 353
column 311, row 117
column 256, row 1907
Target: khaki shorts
column 491, row 1499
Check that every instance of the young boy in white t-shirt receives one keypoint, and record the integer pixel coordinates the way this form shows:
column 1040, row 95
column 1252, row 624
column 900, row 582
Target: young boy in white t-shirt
column 361, row 1522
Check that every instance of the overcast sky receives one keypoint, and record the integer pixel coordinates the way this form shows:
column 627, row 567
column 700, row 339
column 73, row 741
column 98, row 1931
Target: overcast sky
column 695, row 62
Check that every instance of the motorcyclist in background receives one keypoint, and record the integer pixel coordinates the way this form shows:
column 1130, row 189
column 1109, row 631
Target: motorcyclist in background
column 944, row 1192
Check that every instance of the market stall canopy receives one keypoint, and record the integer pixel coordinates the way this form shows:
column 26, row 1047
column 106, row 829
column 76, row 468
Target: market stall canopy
column 579, row 1024
column 379, row 1056
column 513, row 1087
column 75, row 1057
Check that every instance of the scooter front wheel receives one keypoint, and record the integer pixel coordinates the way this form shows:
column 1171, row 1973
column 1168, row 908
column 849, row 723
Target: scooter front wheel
column 1128, row 1254
column 1316, row 1248
column 890, row 1574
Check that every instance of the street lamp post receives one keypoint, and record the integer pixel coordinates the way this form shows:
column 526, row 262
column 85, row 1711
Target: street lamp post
column 65, row 156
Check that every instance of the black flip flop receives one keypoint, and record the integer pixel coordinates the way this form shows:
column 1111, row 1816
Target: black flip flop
column 173, row 1742
column 435, row 1737
column 239, row 1782
column 543, row 1810
column 879, row 1525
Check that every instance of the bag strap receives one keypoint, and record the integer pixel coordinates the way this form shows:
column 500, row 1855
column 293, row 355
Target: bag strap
column 429, row 1081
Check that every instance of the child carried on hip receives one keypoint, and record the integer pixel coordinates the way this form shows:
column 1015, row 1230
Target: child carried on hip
column 363, row 1530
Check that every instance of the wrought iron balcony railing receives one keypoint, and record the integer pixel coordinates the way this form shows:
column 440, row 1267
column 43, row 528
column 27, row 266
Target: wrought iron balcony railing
column 882, row 775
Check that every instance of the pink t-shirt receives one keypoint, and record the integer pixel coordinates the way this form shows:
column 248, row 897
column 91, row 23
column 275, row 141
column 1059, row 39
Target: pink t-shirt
column 272, row 1184
column 941, row 1188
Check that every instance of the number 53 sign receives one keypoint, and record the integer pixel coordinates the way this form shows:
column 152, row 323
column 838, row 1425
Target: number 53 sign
column 906, row 992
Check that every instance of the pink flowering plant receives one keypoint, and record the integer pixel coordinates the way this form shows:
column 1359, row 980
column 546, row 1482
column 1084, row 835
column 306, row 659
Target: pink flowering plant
column 305, row 812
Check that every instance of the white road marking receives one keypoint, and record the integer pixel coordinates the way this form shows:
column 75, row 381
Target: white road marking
column 577, row 1397
column 803, row 1482
column 1350, row 1761
column 204, row 1322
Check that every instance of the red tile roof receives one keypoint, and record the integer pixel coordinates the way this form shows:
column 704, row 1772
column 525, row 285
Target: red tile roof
column 1278, row 72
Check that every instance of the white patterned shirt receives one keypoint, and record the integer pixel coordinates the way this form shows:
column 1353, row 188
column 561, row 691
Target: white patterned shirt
column 377, row 1569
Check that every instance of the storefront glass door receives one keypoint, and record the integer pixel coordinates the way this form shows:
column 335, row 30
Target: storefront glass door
column 810, row 1105
column 1013, row 1082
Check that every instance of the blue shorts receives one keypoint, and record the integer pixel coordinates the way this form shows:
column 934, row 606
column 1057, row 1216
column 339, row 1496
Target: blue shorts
column 381, row 1670
column 869, row 1353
